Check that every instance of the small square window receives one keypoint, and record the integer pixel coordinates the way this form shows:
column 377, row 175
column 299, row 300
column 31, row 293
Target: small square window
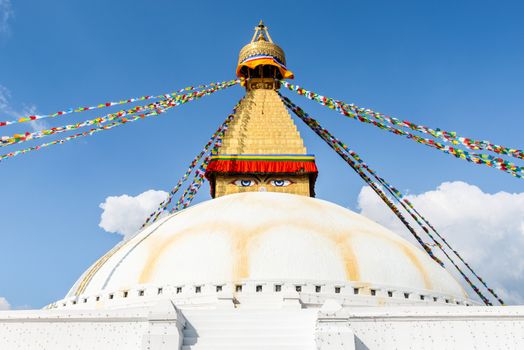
column 298, row 288
column 64, row 304
column 390, row 294
column 219, row 288
column 74, row 302
column 355, row 290
column 373, row 292
column 421, row 297
column 198, row 289
column 178, row 290
column 278, row 287
column 435, row 299
column 159, row 291
column 317, row 289
column 258, row 288
column 111, row 296
column 406, row 295
column 337, row 290
column 85, row 300
column 447, row 301
column 140, row 293
column 97, row 298
column 238, row 288
column 125, row 294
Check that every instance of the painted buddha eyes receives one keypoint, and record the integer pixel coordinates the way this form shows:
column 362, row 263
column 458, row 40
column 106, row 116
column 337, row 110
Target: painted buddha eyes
column 244, row 183
column 280, row 183
column 250, row 182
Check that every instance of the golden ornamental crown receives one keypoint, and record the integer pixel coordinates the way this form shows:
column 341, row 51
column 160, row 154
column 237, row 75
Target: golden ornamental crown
column 262, row 44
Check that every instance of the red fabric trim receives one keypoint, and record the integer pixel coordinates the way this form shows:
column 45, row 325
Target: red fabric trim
column 260, row 166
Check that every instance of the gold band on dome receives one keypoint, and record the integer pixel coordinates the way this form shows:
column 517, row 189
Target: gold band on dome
column 95, row 268
column 262, row 48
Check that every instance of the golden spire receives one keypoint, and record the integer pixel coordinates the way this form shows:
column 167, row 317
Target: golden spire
column 262, row 149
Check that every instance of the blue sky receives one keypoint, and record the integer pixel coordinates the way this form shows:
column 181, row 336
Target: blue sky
column 456, row 65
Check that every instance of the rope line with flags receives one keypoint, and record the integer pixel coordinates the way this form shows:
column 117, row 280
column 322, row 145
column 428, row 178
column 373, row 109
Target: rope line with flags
column 357, row 164
column 189, row 194
column 27, row 136
column 164, row 204
column 377, row 119
column 123, row 120
column 106, row 104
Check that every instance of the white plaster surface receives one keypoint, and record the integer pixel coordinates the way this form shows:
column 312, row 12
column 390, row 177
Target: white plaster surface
column 254, row 235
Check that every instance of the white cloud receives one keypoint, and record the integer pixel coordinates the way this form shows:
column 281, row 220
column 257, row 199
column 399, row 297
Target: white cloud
column 4, row 305
column 125, row 214
column 8, row 112
column 5, row 95
column 486, row 229
column 6, row 13
column 36, row 125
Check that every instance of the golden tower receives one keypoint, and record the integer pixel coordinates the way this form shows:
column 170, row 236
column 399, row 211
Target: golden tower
column 262, row 149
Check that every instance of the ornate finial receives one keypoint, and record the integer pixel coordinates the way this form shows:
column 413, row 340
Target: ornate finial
column 262, row 51
column 261, row 33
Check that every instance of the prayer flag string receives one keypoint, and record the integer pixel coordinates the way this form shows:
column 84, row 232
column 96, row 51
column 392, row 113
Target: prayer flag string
column 27, row 136
column 408, row 207
column 320, row 132
column 357, row 164
column 376, row 119
column 106, row 104
column 85, row 133
column 191, row 191
column 164, row 204
column 121, row 121
column 413, row 212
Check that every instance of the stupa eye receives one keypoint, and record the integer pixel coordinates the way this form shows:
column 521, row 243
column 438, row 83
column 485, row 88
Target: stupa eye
column 280, row 183
column 244, row 183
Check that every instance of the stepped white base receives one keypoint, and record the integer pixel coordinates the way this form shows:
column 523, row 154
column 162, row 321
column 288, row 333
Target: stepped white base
column 250, row 329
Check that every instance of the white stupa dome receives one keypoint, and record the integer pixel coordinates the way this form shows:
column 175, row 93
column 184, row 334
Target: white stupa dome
column 267, row 237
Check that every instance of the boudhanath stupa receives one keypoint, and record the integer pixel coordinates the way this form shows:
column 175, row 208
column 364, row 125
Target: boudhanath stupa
column 263, row 264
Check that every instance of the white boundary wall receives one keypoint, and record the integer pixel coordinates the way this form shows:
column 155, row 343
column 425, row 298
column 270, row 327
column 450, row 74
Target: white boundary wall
column 158, row 327
column 458, row 327
column 161, row 327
